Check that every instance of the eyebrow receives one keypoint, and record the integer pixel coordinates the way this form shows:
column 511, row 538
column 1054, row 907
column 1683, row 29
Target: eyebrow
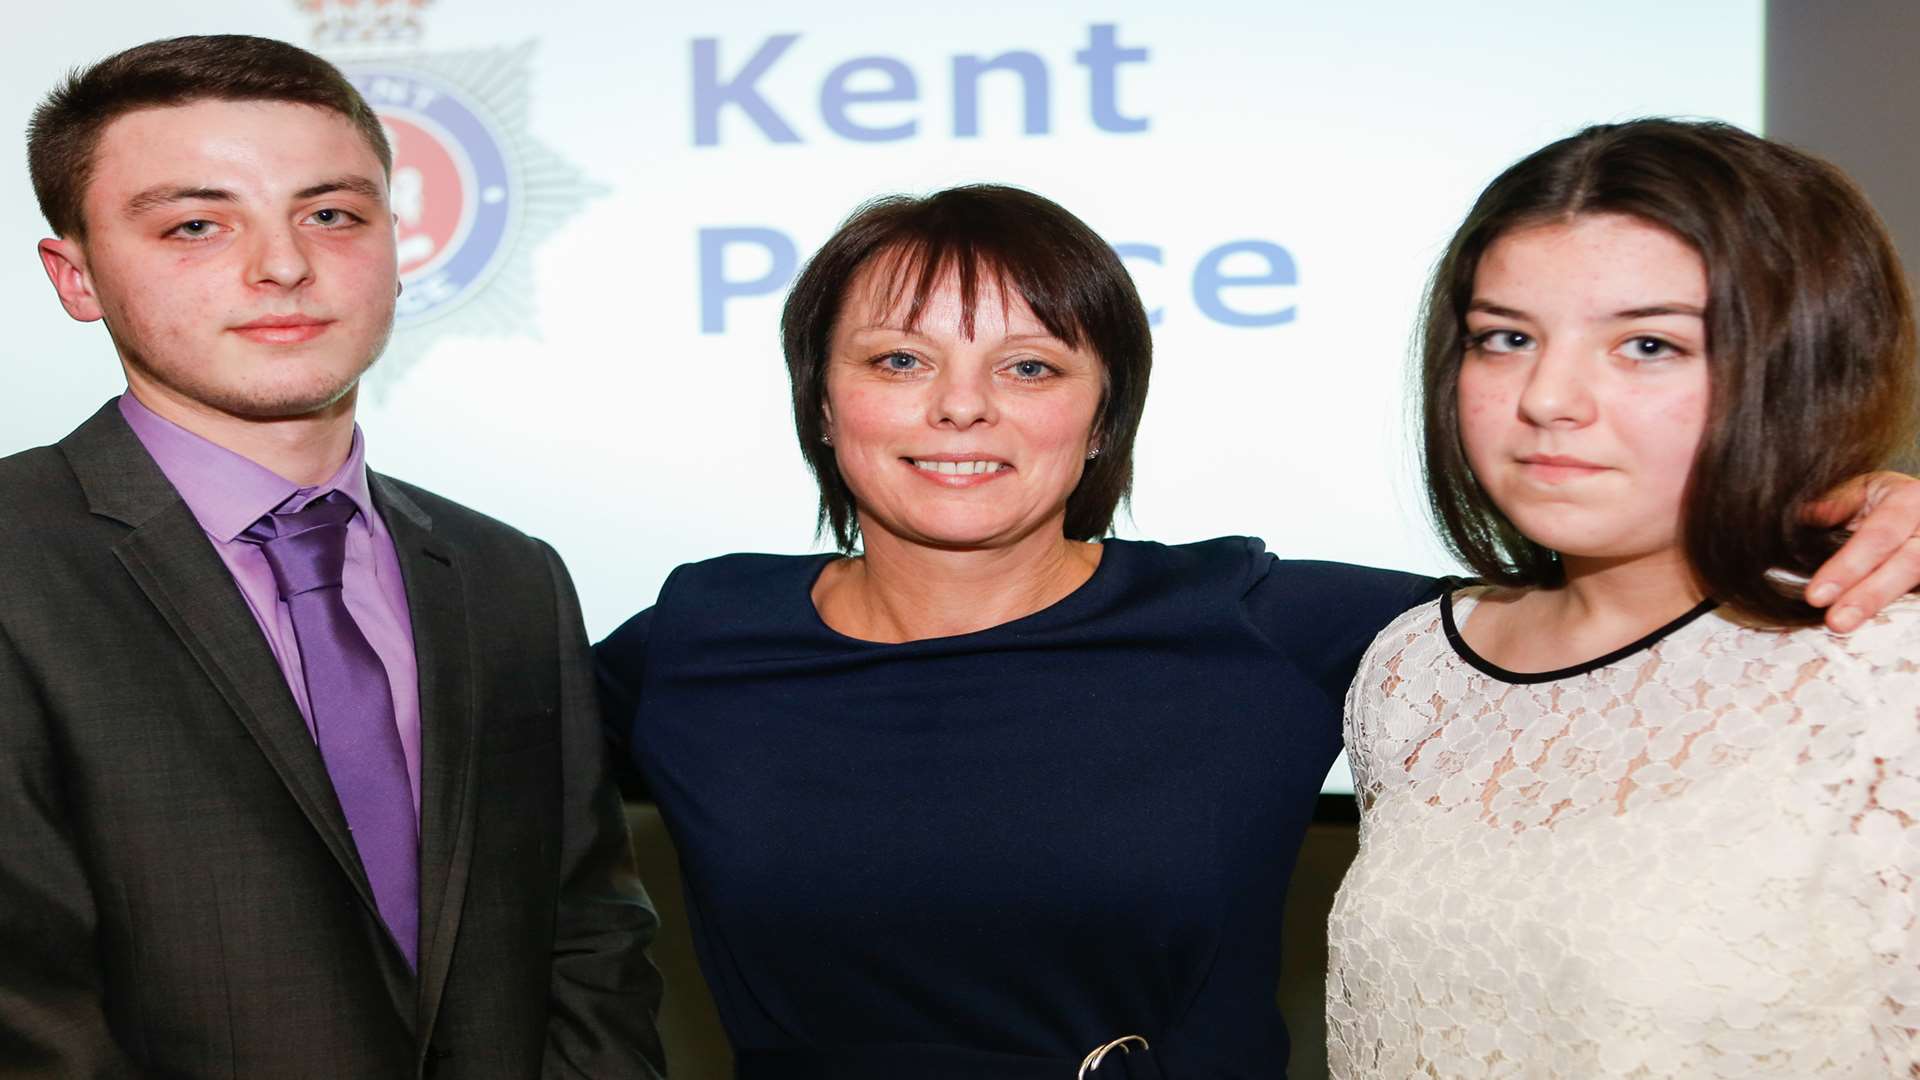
column 1648, row 311
column 895, row 328
column 352, row 185
column 166, row 195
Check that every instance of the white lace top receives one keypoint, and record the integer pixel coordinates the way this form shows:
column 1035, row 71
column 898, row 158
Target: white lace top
column 1695, row 859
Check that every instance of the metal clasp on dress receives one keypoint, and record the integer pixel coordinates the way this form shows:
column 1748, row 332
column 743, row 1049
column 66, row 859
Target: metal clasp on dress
column 1093, row 1060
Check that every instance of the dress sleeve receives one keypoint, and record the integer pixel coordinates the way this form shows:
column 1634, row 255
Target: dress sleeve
column 1358, row 726
column 1325, row 614
column 619, row 664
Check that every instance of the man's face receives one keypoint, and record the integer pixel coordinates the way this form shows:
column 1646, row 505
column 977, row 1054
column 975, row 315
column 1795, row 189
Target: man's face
column 241, row 253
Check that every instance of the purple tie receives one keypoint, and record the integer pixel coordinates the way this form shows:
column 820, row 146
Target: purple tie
column 352, row 705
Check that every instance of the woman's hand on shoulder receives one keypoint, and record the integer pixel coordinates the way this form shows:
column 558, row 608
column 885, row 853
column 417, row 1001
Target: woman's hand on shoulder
column 1881, row 562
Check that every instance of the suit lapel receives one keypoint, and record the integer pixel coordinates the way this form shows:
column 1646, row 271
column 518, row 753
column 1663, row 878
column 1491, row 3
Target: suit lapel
column 437, row 606
column 173, row 562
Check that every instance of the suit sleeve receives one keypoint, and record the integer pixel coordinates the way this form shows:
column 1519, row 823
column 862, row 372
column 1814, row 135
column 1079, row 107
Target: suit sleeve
column 605, row 997
column 52, row 1019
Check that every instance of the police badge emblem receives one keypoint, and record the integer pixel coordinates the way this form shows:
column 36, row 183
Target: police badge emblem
column 471, row 187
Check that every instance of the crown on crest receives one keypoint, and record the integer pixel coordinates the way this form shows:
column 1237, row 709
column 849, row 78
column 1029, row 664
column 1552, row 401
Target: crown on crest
column 365, row 23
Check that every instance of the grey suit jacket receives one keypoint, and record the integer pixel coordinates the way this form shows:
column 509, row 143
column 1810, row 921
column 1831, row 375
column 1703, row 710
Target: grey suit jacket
column 179, row 894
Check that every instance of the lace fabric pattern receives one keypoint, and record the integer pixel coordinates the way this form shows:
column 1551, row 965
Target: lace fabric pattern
column 1696, row 861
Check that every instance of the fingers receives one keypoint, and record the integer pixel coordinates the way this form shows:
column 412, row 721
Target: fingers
column 1895, row 577
column 1881, row 561
column 1848, row 501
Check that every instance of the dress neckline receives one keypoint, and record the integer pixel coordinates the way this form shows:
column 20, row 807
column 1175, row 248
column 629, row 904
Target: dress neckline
column 1488, row 667
column 1070, row 604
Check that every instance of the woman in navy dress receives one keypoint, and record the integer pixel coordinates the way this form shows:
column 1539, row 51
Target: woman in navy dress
column 988, row 799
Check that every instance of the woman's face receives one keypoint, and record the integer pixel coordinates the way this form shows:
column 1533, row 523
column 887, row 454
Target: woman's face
column 1583, row 391
column 953, row 441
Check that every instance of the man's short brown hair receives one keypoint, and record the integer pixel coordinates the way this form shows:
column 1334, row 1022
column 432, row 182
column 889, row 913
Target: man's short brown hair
column 65, row 129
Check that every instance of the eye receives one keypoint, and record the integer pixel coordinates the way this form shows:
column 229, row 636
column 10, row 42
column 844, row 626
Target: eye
column 1500, row 341
column 898, row 363
column 1648, row 347
column 194, row 230
column 333, row 217
column 1030, row 369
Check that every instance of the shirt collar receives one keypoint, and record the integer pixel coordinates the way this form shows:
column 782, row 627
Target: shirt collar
column 227, row 492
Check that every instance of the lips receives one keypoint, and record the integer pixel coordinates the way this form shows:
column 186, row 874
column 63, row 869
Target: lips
column 283, row 329
column 1560, row 460
column 959, row 470
column 1559, row 468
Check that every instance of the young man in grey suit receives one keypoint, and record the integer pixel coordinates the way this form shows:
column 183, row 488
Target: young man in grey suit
column 300, row 767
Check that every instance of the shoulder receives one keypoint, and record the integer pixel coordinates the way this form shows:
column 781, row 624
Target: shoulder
column 1879, row 661
column 49, row 540
column 1889, row 638
column 709, row 606
column 742, row 578
column 1228, row 564
column 734, row 589
column 748, row 570
column 1375, row 593
column 1411, row 649
column 516, row 573
column 34, row 483
column 454, row 521
column 1245, row 564
column 1419, row 623
column 1328, row 597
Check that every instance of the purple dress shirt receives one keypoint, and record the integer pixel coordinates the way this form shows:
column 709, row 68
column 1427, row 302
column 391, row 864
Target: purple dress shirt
column 227, row 493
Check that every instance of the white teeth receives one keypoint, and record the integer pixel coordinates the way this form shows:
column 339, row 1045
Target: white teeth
column 958, row 468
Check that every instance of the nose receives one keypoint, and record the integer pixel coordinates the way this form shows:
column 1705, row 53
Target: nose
column 1556, row 394
column 962, row 397
column 279, row 258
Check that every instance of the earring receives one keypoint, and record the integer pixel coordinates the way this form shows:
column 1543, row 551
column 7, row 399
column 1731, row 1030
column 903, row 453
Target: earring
column 1093, row 453
column 827, row 437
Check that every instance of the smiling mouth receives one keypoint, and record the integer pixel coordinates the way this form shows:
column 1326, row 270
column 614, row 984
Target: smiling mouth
column 958, row 468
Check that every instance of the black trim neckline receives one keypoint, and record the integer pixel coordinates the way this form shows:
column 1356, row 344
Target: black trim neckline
column 1488, row 667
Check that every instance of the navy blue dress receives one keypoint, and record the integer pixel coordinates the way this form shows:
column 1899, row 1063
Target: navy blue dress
column 987, row 855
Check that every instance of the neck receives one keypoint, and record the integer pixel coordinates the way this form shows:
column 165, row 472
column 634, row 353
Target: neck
column 1606, row 603
column 306, row 449
column 1646, row 589
column 904, row 591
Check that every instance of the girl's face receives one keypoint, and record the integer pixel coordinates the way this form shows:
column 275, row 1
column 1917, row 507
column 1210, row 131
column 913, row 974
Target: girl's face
column 1583, row 391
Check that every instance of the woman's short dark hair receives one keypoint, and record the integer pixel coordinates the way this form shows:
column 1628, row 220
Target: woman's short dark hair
column 66, row 128
column 1810, row 345
column 1029, row 247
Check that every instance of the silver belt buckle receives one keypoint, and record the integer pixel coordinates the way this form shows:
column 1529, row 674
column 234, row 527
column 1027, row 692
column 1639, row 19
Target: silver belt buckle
column 1093, row 1060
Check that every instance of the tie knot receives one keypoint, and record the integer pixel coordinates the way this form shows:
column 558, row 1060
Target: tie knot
column 307, row 549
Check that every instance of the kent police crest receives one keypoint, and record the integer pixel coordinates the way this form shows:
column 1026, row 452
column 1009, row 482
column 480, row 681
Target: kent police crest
column 471, row 187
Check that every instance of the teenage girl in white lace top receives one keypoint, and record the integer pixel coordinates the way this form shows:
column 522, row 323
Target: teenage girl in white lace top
column 1630, row 811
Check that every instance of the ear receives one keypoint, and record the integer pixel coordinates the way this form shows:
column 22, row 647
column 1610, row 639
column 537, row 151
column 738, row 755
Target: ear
column 66, row 264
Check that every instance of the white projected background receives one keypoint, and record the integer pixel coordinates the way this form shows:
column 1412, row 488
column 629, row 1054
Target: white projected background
column 1281, row 174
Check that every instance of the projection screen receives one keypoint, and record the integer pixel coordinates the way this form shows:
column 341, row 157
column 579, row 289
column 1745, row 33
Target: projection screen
column 601, row 204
